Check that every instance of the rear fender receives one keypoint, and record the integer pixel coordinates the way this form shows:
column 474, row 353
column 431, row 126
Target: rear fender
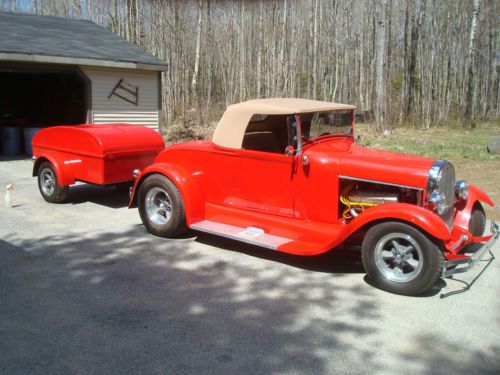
column 475, row 195
column 190, row 190
column 417, row 216
column 63, row 171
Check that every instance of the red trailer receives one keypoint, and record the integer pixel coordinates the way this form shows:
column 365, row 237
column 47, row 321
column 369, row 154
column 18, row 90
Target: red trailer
column 104, row 154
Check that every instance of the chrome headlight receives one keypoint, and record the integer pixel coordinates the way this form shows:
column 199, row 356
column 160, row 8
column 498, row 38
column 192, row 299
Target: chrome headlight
column 461, row 189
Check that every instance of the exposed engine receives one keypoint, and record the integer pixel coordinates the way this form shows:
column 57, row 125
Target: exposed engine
column 357, row 196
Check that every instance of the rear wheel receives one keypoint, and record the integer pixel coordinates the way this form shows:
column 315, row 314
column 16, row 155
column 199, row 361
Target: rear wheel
column 49, row 187
column 477, row 222
column 400, row 259
column 161, row 207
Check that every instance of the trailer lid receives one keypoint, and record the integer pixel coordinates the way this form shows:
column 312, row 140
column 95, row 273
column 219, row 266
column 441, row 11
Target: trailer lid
column 102, row 140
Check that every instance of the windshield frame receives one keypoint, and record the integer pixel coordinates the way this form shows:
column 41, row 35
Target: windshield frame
column 326, row 136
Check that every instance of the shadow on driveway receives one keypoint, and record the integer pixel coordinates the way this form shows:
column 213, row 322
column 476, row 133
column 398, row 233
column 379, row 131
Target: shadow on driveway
column 108, row 196
column 335, row 261
column 131, row 303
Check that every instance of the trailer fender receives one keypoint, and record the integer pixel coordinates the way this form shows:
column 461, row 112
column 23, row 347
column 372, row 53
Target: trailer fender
column 63, row 170
column 190, row 190
column 417, row 216
column 475, row 195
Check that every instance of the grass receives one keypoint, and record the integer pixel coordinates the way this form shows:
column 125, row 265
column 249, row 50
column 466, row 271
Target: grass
column 442, row 143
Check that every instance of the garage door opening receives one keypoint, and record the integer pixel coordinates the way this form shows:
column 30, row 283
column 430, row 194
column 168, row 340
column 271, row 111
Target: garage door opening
column 42, row 99
column 37, row 99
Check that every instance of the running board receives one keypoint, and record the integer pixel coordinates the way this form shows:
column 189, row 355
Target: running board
column 251, row 235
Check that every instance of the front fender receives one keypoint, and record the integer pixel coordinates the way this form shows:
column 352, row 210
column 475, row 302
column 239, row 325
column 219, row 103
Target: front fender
column 475, row 195
column 63, row 171
column 418, row 216
column 190, row 190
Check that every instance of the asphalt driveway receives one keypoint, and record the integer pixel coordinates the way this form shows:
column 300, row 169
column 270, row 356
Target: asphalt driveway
column 84, row 289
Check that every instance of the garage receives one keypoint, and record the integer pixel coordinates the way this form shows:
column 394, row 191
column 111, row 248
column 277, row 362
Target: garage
column 38, row 97
column 59, row 71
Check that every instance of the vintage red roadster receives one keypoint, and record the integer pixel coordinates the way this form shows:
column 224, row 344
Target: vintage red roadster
column 287, row 175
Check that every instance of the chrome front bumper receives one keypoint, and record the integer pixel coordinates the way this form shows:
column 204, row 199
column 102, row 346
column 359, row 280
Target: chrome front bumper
column 455, row 266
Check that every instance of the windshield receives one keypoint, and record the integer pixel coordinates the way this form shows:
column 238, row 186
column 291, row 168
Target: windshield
column 326, row 123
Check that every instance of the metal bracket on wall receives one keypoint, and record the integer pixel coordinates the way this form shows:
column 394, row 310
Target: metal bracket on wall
column 125, row 91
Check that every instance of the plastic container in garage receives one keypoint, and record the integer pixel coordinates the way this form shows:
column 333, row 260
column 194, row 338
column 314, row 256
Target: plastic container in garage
column 99, row 154
column 28, row 137
column 11, row 140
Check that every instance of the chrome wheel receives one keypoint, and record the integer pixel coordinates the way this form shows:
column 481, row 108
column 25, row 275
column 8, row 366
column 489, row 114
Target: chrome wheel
column 48, row 181
column 161, row 206
column 398, row 257
column 158, row 206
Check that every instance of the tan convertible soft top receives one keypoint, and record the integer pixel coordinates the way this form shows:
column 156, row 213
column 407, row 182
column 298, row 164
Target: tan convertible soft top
column 231, row 128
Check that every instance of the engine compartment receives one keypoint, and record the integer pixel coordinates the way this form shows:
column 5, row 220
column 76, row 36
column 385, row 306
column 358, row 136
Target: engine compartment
column 357, row 196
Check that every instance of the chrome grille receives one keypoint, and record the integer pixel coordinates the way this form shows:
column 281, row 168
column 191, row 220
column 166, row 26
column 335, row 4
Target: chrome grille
column 442, row 180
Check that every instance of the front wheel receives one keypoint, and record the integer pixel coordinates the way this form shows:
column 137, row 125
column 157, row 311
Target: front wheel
column 477, row 223
column 161, row 207
column 401, row 259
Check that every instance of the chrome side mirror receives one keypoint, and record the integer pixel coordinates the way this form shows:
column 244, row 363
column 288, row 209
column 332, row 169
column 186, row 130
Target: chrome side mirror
column 289, row 150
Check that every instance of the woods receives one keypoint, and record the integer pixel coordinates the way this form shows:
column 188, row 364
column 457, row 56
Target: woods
column 416, row 63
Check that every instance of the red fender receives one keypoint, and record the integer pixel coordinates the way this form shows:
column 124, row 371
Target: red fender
column 191, row 192
column 63, row 171
column 462, row 217
column 418, row 216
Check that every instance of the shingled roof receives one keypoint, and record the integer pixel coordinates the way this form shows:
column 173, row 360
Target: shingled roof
column 27, row 37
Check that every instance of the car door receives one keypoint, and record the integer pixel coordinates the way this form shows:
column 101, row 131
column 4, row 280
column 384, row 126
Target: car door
column 267, row 182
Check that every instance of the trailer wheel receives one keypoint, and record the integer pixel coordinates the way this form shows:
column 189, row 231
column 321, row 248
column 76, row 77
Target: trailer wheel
column 161, row 207
column 50, row 189
column 400, row 259
column 477, row 222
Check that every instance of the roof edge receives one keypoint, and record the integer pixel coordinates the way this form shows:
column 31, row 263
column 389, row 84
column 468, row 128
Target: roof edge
column 24, row 57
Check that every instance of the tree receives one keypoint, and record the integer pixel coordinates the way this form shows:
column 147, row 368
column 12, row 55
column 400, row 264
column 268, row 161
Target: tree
column 380, row 89
column 469, row 76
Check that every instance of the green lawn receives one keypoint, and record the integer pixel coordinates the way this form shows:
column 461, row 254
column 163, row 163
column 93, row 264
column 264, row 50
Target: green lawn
column 442, row 143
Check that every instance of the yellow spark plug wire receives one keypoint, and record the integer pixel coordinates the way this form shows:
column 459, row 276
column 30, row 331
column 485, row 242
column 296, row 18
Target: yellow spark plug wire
column 349, row 204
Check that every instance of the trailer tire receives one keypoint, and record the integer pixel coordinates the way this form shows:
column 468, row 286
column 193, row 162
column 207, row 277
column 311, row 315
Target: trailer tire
column 161, row 207
column 401, row 259
column 49, row 186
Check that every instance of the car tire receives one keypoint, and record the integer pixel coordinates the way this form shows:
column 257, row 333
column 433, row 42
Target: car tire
column 400, row 259
column 161, row 207
column 477, row 222
column 49, row 186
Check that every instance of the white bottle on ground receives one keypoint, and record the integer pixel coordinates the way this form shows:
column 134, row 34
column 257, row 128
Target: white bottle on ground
column 8, row 197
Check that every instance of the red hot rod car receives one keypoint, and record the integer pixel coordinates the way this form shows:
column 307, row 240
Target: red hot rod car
column 287, row 175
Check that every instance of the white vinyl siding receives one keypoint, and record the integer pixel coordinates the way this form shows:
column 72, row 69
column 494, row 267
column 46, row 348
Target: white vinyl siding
column 114, row 109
